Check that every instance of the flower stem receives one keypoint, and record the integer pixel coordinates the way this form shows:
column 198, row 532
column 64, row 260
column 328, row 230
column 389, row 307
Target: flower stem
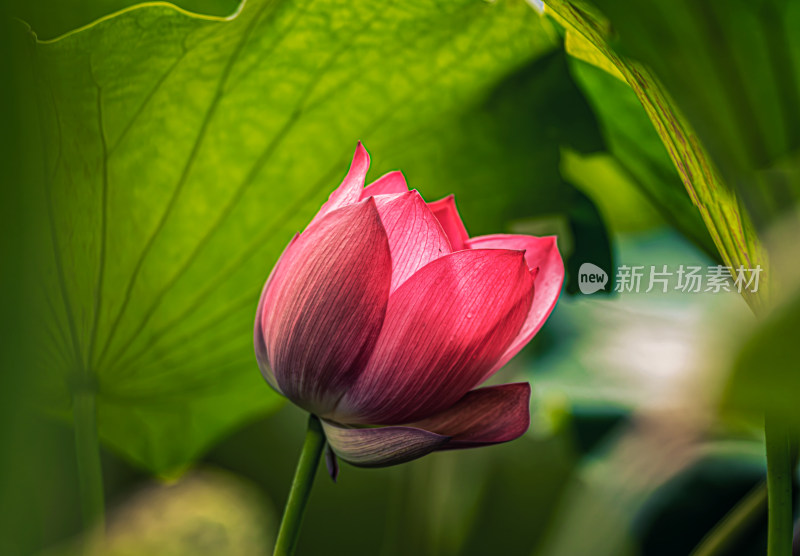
column 301, row 489
column 87, row 451
column 722, row 538
column 779, row 488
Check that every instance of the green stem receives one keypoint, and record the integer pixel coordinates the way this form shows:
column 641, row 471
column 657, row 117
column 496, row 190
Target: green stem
column 779, row 487
column 721, row 539
column 87, row 451
column 301, row 489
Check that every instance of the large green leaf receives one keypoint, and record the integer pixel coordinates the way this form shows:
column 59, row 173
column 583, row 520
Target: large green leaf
column 728, row 223
column 637, row 149
column 51, row 18
column 182, row 153
column 732, row 68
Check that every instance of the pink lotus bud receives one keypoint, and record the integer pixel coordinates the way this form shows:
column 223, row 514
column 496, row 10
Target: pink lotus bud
column 385, row 312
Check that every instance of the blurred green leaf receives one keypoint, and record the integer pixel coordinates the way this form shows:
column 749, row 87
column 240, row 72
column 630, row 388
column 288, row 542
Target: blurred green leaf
column 501, row 153
column 732, row 68
column 639, row 152
column 182, row 153
column 765, row 377
column 32, row 488
column 728, row 223
column 595, row 245
column 614, row 190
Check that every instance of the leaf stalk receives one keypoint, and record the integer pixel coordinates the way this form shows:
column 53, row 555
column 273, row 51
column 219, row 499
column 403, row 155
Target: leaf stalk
column 87, row 451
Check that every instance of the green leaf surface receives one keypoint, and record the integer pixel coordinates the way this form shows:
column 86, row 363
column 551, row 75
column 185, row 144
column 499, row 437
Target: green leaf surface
column 614, row 190
column 53, row 18
column 183, row 152
column 732, row 68
column 728, row 223
column 638, row 150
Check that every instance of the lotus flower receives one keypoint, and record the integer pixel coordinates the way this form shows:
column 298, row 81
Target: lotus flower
column 383, row 316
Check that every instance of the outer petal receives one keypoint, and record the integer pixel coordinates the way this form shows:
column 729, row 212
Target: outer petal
column 324, row 308
column 485, row 416
column 540, row 253
column 446, row 212
column 383, row 446
column 258, row 334
column 349, row 191
column 444, row 328
column 393, row 182
column 415, row 236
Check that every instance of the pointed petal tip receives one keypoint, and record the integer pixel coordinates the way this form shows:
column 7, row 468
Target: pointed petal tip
column 388, row 184
column 446, row 212
column 449, row 200
column 349, row 190
column 415, row 236
column 361, row 161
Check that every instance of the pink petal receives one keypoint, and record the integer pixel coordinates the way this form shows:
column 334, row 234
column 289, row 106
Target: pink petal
column 484, row 416
column 543, row 258
column 444, row 328
column 324, row 307
column 349, row 191
column 446, row 212
column 415, row 236
column 258, row 334
column 393, row 182
column 380, row 447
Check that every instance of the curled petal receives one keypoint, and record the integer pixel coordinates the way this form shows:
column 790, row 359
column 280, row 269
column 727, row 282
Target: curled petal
column 323, row 310
column 382, row 446
column 444, row 328
column 484, row 416
column 415, row 236
column 544, row 260
column 446, row 213
column 349, row 191
column 388, row 184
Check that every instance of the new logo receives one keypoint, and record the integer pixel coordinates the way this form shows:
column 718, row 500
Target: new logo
column 591, row 278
